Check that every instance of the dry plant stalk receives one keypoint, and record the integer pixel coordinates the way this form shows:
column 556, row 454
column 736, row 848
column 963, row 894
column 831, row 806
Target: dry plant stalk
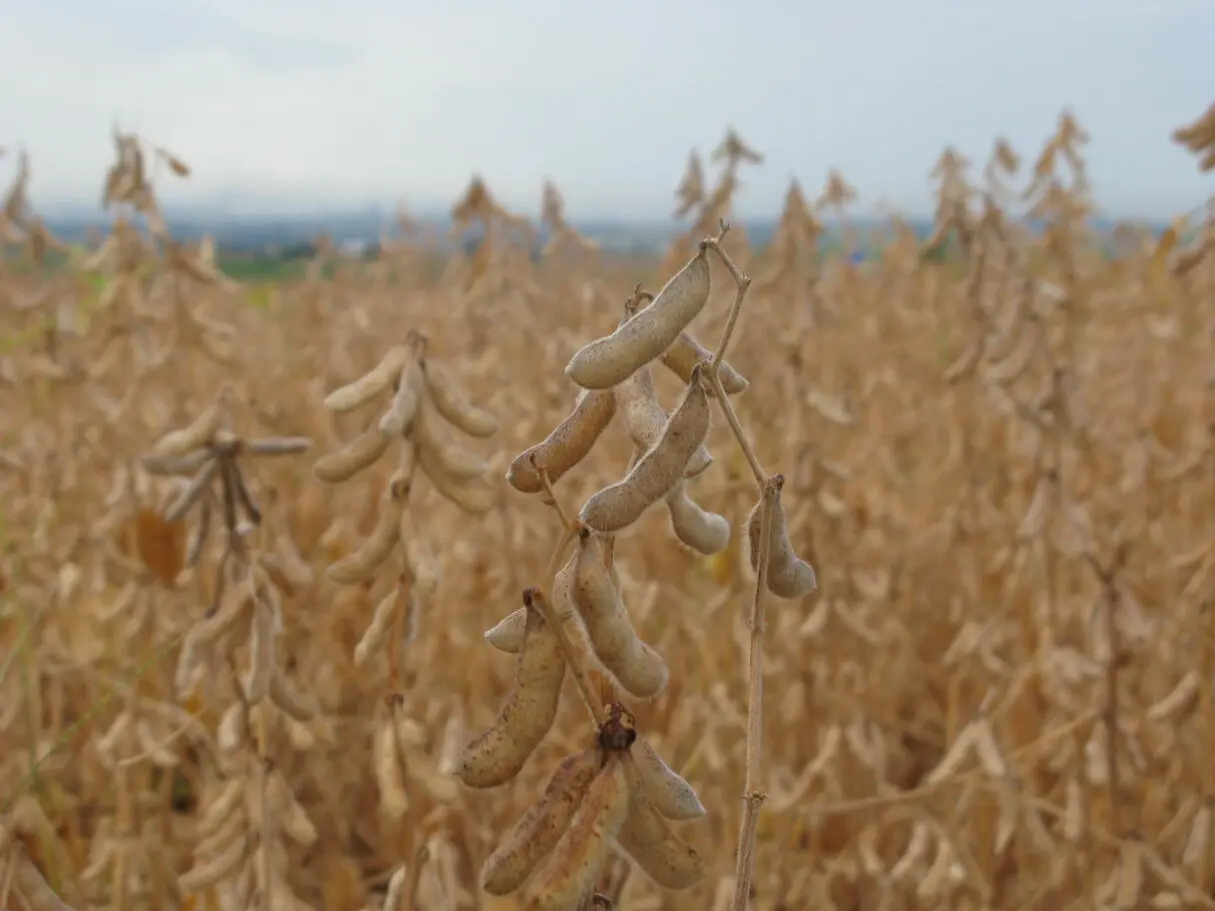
column 426, row 400
column 238, row 849
column 590, row 805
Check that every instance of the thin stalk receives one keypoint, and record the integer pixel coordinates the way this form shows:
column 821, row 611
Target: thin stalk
column 744, row 870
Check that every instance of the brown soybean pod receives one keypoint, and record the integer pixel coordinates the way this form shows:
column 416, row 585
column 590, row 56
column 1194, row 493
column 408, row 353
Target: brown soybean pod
column 475, row 496
column 667, row 790
column 261, row 653
column 411, row 387
column 649, row 841
column 378, row 379
column 196, row 488
column 176, row 465
column 277, row 446
column 569, row 873
column 179, row 443
column 539, row 829
column 567, row 445
column 507, row 634
column 640, row 670
column 458, row 464
column 497, row 754
column 653, row 475
column 788, row 575
column 645, row 417
column 686, row 352
column 376, row 548
column 453, row 404
column 352, row 458
column 294, row 702
column 644, row 337
column 703, row 531
column 198, row 537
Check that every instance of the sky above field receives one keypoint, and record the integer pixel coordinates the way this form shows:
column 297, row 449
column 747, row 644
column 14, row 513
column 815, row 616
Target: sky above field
column 279, row 104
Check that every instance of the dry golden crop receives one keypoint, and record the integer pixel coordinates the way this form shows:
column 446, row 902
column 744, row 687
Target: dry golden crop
column 927, row 621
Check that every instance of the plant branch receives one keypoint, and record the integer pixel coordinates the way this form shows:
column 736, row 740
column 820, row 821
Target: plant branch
column 551, row 494
column 744, row 870
column 743, row 283
column 535, row 598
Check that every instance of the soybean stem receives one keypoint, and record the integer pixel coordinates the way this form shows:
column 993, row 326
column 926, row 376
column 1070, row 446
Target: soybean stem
column 744, row 870
column 742, row 284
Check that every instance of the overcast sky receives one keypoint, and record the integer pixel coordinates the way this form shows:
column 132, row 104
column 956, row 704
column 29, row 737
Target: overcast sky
column 350, row 101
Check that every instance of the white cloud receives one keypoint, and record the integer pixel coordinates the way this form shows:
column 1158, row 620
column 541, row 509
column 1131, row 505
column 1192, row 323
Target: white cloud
column 373, row 99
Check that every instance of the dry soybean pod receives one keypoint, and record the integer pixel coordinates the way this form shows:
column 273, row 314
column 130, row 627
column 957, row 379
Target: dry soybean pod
column 236, row 480
column 507, row 634
column 686, row 352
column 424, row 576
column 476, row 497
column 176, row 465
column 231, row 610
column 377, row 631
column 567, row 445
column 294, row 702
column 703, row 531
column 411, row 387
column 198, row 538
column 220, row 808
column 227, row 502
column 229, row 830
column 378, row 379
column 541, row 826
column 217, row 868
column 570, row 872
column 196, row 488
column 386, row 765
column 376, row 548
column 276, row 446
column 396, row 888
column 293, row 817
column 427, row 433
column 643, row 338
column 453, row 403
column 639, row 669
column 497, row 754
column 668, row 791
column 652, row 845
column 352, row 458
column 645, row 417
column 654, row 474
column 178, row 443
column 261, row 653
column 789, row 576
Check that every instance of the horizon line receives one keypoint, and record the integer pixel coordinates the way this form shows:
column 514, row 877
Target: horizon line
column 84, row 214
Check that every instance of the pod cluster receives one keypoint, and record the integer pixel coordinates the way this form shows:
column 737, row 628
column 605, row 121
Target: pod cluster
column 399, row 749
column 251, row 808
column 587, row 588
column 616, row 796
column 246, row 604
column 422, row 403
column 241, row 815
column 204, row 457
column 615, row 373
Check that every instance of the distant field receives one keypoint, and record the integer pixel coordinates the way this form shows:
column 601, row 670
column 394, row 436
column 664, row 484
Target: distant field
column 261, row 233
